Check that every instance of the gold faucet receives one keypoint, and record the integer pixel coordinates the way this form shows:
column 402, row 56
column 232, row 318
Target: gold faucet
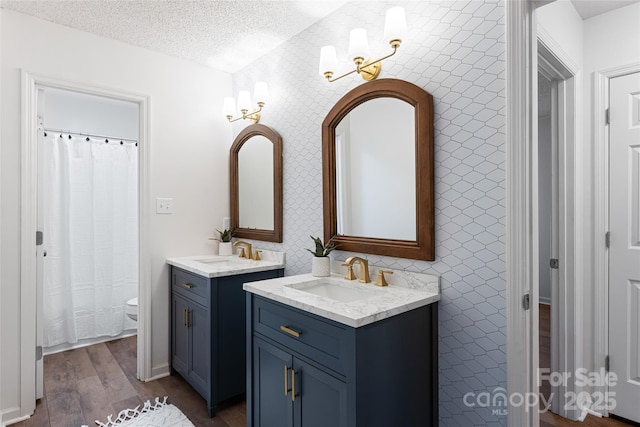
column 364, row 269
column 246, row 251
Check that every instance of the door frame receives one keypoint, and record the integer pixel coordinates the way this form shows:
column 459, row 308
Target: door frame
column 566, row 331
column 521, row 247
column 28, row 216
column 600, row 131
column 521, row 210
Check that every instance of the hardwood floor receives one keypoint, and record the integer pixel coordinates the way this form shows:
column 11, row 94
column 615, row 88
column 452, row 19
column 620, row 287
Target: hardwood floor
column 91, row 383
column 88, row 384
column 549, row 419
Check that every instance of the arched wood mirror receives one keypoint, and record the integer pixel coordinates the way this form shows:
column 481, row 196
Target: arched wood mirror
column 377, row 169
column 256, row 184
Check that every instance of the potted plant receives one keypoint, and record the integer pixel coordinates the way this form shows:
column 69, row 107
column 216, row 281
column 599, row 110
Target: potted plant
column 225, row 247
column 321, row 263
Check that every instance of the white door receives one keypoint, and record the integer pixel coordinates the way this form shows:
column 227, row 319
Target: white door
column 624, row 255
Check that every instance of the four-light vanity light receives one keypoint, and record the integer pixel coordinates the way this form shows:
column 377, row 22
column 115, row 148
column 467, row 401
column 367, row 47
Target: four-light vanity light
column 395, row 29
column 260, row 97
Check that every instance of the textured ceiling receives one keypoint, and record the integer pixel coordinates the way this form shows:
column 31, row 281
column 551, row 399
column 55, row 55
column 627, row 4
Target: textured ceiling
column 226, row 35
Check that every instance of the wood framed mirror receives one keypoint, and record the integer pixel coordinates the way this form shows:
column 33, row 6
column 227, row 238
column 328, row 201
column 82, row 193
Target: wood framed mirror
column 378, row 171
column 256, row 184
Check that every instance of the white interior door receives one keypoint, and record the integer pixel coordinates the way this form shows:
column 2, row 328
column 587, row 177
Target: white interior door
column 624, row 255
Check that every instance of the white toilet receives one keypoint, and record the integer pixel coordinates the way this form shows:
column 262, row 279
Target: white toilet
column 132, row 309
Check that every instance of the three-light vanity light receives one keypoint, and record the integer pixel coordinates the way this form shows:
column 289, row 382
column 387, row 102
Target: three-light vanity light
column 260, row 97
column 395, row 29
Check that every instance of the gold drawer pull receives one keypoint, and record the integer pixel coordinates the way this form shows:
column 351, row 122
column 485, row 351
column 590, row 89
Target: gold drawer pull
column 187, row 285
column 290, row 331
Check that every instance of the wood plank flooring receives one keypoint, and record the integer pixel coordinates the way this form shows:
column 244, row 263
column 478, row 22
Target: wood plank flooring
column 549, row 419
column 91, row 383
column 88, row 384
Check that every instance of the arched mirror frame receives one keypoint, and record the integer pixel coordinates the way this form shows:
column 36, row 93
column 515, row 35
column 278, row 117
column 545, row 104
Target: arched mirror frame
column 274, row 235
column 423, row 248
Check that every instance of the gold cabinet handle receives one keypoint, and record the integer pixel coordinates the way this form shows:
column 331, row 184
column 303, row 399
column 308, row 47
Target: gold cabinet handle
column 184, row 317
column 293, row 385
column 286, row 380
column 290, row 331
column 187, row 285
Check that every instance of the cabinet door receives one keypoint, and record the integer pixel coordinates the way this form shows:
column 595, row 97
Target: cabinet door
column 200, row 348
column 321, row 399
column 272, row 402
column 179, row 334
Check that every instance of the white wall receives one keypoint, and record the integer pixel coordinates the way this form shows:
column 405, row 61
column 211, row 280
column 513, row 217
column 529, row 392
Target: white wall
column 562, row 23
column 97, row 115
column 455, row 51
column 189, row 143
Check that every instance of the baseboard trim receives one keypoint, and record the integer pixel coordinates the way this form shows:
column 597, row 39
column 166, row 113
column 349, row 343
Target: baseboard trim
column 89, row 342
column 12, row 416
column 158, row 372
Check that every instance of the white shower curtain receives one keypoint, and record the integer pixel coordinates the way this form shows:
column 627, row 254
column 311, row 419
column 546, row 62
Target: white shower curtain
column 91, row 232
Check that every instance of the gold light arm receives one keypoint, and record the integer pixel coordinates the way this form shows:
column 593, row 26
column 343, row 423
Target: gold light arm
column 254, row 116
column 370, row 67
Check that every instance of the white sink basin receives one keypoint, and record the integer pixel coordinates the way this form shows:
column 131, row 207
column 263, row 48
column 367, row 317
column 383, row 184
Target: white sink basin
column 336, row 290
column 220, row 261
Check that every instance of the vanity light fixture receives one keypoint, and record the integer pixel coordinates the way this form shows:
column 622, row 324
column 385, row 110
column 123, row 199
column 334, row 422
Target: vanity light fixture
column 395, row 29
column 260, row 96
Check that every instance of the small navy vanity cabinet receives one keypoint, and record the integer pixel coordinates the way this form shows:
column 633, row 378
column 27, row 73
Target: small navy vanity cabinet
column 308, row 371
column 208, row 329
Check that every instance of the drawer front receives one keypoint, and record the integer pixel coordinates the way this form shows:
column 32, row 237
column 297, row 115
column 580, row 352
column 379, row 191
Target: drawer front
column 190, row 286
column 325, row 342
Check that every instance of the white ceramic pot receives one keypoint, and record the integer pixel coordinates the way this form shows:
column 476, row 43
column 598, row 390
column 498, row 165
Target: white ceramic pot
column 321, row 266
column 225, row 248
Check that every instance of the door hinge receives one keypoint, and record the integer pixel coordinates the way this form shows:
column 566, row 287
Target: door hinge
column 606, row 363
column 607, row 239
column 554, row 263
column 607, row 118
column 526, row 301
column 39, row 238
column 38, row 352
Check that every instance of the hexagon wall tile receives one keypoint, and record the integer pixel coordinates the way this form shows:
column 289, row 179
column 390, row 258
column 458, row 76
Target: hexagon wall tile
column 455, row 51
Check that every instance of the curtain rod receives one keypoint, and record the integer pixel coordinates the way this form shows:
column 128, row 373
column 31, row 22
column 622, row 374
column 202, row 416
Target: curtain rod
column 106, row 138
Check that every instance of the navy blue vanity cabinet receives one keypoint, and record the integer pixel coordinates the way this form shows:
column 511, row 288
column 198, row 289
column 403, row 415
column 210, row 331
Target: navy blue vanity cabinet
column 208, row 329
column 308, row 371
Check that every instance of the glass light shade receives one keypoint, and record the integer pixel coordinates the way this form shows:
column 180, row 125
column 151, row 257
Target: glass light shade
column 328, row 60
column 395, row 24
column 244, row 100
column 229, row 106
column 261, row 93
column 358, row 44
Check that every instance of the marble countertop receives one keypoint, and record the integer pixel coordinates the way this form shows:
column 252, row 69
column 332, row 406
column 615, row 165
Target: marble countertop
column 406, row 291
column 217, row 266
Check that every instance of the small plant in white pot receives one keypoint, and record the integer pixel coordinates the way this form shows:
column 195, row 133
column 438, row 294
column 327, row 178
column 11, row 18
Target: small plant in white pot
column 225, row 247
column 321, row 263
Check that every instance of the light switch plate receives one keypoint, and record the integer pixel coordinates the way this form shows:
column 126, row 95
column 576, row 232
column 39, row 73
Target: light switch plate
column 164, row 205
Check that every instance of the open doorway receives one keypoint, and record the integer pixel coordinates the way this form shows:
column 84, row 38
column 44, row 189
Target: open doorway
column 556, row 228
column 88, row 220
column 32, row 253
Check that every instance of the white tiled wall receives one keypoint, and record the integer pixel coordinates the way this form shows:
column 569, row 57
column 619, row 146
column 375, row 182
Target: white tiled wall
column 455, row 51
